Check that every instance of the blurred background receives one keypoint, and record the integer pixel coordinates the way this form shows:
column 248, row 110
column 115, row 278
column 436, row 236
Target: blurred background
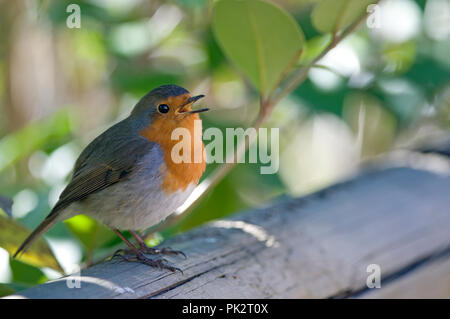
column 384, row 88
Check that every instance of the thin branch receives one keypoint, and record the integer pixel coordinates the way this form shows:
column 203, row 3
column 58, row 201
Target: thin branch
column 286, row 71
column 303, row 73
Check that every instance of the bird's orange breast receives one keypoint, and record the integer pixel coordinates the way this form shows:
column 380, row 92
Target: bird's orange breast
column 177, row 176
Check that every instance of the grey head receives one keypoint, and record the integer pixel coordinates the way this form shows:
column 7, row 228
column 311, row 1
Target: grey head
column 169, row 101
column 151, row 99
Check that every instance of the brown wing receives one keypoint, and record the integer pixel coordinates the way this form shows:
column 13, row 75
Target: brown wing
column 110, row 158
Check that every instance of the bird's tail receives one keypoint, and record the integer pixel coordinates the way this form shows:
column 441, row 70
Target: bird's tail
column 46, row 224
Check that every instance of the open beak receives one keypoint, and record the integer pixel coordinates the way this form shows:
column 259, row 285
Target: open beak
column 198, row 111
column 192, row 100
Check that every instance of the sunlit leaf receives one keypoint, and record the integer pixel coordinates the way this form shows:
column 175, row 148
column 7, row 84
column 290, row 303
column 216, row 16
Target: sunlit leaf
column 91, row 233
column 334, row 15
column 39, row 254
column 314, row 47
column 258, row 37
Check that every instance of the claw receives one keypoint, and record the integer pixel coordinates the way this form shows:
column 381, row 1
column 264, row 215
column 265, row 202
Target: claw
column 140, row 257
column 133, row 255
column 160, row 263
column 169, row 251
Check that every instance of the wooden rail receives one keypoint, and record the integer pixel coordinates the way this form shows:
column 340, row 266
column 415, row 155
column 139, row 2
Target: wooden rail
column 317, row 246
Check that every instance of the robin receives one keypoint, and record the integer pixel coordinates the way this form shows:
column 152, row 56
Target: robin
column 127, row 179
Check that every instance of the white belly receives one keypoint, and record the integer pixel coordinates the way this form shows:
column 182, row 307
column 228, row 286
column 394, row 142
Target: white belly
column 132, row 209
column 133, row 204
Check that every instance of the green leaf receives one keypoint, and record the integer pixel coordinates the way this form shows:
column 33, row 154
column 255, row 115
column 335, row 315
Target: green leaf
column 6, row 290
column 331, row 16
column 91, row 233
column 39, row 254
column 258, row 37
column 25, row 274
column 314, row 47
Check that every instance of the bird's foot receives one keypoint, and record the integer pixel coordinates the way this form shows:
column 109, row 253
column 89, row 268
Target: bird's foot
column 139, row 256
column 152, row 251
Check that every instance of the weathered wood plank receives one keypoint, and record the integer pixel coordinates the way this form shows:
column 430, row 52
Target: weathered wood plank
column 430, row 281
column 317, row 246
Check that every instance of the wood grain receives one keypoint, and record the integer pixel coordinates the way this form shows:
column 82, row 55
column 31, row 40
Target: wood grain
column 317, row 246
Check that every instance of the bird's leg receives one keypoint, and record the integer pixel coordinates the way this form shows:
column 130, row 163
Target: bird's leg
column 121, row 251
column 126, row 241
column 148, row 250
column 139, row 255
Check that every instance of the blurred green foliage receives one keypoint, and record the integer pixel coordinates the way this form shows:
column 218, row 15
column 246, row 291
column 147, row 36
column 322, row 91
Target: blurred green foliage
column 386, row 86
column 44, row 134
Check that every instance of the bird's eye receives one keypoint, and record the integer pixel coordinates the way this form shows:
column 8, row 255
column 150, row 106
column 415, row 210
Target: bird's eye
column 163, row 108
